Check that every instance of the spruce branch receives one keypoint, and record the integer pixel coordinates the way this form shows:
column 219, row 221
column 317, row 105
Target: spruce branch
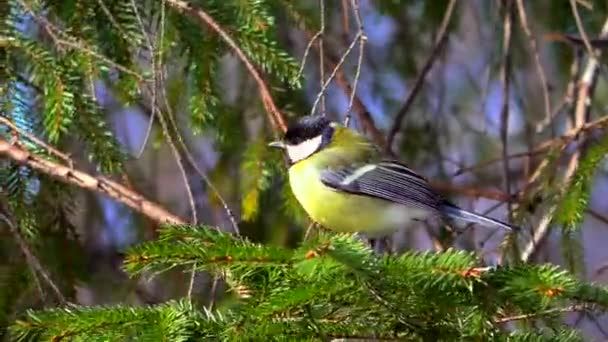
column 84, row 180
column 274, row 115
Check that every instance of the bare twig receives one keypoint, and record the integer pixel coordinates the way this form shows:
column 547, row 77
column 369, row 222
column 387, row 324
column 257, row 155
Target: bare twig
column 440, row 40
column 153, row 61
column 523, row 19
column 275, row 116
column 506, row 95
column 32, row 260
column 363, row 115
column 334, row 72
column 191, row 282
column 581, row 30
column 322, row 55
column 362, row 39
column 307, row 52
column 572, row 134
column 84, row 180
column 167, row 133
column 571, row 308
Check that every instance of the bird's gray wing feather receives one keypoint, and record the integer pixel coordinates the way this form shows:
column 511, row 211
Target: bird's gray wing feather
column 387, row 180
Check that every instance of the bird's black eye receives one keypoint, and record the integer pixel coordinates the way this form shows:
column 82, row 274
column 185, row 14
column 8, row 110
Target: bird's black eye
column 306, row 128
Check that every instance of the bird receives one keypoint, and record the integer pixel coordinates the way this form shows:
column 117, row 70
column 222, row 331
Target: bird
column 346, row 184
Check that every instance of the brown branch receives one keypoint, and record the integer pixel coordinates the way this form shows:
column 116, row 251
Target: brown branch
column 440, row 40
column 523, row 19
column 84, row 180
column 506, row 94
column 275, row 116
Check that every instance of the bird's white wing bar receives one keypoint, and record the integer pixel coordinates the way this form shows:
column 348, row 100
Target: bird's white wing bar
column 357, row 173
column 386, row 180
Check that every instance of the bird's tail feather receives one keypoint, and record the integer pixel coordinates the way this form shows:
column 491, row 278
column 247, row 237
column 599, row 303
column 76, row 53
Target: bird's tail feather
column 455, row 212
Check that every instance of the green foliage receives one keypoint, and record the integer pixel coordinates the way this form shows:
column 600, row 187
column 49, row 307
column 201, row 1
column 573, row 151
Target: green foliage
column 576, row 196
column 329, row 287
column 168, row 322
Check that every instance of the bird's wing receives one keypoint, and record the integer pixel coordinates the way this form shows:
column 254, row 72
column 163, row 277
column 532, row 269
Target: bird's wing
column 387, row 180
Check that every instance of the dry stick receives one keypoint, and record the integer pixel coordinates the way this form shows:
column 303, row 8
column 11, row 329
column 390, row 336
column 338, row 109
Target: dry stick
column 32, row 260
column 586, row 89
column 84, row 180
column 506, row 94
column 539, row 68
column 275, row 116
column 440, row 39
column 362, row 39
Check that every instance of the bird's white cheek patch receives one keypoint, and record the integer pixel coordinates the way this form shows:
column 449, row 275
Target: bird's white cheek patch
column 304, row 149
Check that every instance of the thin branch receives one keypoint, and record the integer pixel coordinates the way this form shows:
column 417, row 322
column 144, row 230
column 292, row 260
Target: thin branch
column 334, row 72
column 322, row 55
column 167, row 133
column 506, row 95
column 307, row 52
column 363, row 115
column 581, row 30
column 362, row 39
column 534, row 47
column 32, row 260
column 84, row 180
column 440, row 40
column 152, row 50
column 275, row 116
column 586, row 88
column 572, row 134
column 112, row 20
column 571, row 308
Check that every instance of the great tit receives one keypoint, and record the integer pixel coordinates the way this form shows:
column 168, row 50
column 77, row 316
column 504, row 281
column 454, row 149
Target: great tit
column 344, row 183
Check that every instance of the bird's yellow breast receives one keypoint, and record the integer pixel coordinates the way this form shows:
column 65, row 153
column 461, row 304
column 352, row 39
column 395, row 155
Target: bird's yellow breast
column 340, row 211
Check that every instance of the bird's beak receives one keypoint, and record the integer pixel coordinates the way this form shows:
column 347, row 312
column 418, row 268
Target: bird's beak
column 277, row 144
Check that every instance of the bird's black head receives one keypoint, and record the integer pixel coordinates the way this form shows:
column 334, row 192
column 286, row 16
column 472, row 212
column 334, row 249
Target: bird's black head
column 306, row 128
column 306, row 136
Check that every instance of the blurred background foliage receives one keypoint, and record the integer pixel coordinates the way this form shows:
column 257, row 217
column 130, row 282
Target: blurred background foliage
column 144, row 93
